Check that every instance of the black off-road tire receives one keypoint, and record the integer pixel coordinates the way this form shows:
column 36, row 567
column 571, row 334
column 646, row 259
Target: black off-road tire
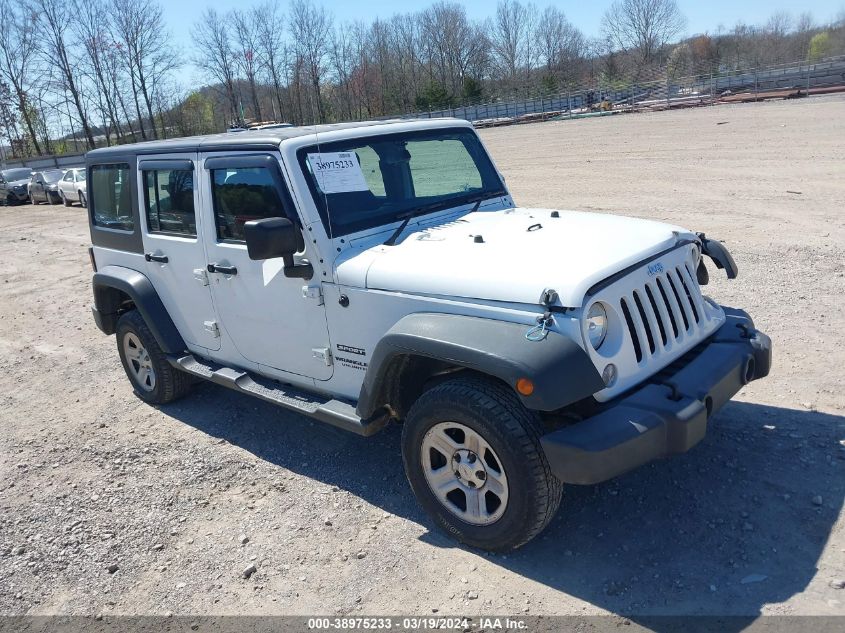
column 170, row 383
column 496, row 414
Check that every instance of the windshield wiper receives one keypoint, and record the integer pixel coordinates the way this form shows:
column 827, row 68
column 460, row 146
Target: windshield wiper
column 435, row 206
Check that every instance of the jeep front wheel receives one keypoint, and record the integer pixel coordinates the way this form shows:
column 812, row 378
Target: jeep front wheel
column 473, row 458
column 154, row 379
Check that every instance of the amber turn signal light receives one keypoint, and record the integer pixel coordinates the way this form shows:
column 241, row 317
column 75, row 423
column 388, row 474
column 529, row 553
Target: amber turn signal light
column 525, row 386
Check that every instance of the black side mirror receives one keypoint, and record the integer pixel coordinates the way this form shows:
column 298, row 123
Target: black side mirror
column 272, row 237
column 277, row 237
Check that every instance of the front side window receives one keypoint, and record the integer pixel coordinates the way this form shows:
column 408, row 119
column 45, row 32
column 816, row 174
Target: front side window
column 169, row 201
column 363, row 183
column 68, row 176
column 241, row 194
column 111, row 197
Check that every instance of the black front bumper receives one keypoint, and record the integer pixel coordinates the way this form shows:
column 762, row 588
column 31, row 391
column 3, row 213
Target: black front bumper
column 663, row 419
column 13, row 196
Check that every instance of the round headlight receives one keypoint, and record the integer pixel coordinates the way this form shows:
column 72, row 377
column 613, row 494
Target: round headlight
column 596, row 324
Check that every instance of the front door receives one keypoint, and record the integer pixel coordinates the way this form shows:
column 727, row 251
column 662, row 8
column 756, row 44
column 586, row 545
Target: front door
column 268, row 316
column 175, row 256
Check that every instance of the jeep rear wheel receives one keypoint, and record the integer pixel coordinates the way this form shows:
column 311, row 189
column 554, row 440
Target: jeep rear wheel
column 473, row 458
column 154, row 379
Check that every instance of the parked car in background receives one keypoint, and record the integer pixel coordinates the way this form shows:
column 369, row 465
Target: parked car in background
column 14, row 185
column 44, row 186
column 73, row 188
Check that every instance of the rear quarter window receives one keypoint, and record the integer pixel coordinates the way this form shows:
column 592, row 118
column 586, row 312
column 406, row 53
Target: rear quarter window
column 110, row 197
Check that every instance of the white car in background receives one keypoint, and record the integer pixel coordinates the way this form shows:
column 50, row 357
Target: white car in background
column 73, row 188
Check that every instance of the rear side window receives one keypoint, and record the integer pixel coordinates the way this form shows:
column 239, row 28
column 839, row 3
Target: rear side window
column 111, row 197
column 241, row 194
column 169, row 201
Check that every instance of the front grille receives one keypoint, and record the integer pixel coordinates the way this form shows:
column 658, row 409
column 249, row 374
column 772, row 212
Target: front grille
column 666, row 311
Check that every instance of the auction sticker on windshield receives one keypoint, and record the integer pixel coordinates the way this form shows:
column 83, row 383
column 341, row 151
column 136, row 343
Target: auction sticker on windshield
column 337, row 172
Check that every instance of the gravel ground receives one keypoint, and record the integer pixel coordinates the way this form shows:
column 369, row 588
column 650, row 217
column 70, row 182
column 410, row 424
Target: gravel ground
column 108, row 505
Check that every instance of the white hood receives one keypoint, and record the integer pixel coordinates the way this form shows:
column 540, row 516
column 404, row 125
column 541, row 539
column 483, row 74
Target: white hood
column 523, row 253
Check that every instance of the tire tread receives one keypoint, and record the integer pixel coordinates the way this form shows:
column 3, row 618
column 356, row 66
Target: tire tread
column 501, row 406
column 175, row 383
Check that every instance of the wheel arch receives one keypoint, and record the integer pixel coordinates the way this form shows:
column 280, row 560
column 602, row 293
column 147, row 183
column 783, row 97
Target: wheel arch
column 425, row 346
column 117, row 289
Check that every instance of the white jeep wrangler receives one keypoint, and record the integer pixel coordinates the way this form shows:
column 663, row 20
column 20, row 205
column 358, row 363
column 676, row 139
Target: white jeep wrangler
column 368, row 272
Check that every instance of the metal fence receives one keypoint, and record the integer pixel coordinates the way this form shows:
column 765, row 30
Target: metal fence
column 38, row 163
column 662, row 92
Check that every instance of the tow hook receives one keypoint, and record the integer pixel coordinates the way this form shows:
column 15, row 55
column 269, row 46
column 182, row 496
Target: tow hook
column 539, row 331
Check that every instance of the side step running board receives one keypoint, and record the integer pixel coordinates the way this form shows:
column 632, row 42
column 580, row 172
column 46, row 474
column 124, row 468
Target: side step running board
column 334, row 412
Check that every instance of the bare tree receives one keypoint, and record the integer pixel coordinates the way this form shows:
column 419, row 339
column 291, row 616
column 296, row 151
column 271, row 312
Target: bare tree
column 215, row 56
column 139, row 24
column 342, row 55
column 17, row 60
column 92, row 29
column 453, row 47
column 310, row 27
column 775, row 38
column 52, row 30
column 246, row 57
column 561, row 45
column 804, row 30
column 272, row 48
column 508, row 35
column 643, row 27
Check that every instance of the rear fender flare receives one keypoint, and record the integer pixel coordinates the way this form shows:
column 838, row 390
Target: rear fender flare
column 112, row 283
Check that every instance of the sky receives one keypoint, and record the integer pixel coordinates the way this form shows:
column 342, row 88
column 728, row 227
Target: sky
column 702, row 15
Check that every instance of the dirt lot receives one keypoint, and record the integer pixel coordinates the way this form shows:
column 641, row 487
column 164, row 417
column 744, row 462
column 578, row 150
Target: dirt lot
column 751, row 521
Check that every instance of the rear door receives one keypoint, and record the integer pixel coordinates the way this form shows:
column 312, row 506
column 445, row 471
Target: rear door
column 268, row 316
column 169, row 203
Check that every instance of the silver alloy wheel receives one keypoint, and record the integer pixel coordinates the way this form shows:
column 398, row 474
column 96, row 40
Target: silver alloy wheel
column 139, row 361
column 464, row 473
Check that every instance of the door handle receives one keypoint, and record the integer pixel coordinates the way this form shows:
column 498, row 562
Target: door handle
column 225, row 270
column 161, row 259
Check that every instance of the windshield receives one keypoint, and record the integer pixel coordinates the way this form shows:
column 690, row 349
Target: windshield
column 367, row 182
column 16, row 174
column 53, row 176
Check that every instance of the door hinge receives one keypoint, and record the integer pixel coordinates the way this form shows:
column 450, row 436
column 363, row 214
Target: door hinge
column 324, row 354
column 212, row 328
column 313, row 292
column 201, row 275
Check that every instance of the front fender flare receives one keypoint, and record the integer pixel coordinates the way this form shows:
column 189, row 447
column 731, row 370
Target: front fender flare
column 561, row 371
column 110, row 281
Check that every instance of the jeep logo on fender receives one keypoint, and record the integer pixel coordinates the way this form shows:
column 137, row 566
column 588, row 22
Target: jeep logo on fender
column 655, row 269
